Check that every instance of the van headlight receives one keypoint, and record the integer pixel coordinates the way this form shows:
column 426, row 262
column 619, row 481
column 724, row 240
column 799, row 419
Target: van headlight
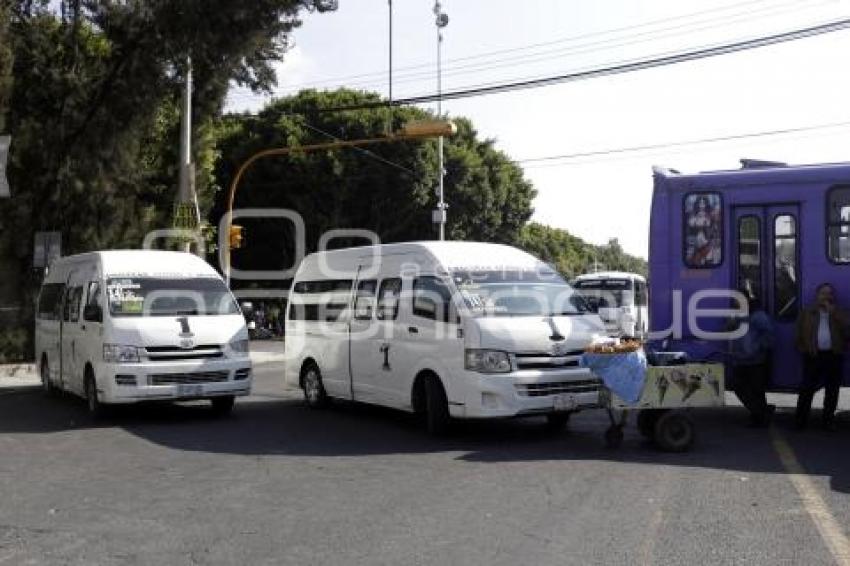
column 239, row 347
column 487, row 361
column 120, row 354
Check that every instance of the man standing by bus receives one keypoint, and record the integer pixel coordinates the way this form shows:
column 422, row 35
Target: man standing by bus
column 822, row 334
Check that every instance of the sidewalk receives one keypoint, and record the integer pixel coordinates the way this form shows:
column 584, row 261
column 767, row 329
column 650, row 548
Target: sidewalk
column 26, row 375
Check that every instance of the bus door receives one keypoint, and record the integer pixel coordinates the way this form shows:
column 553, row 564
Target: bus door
column 767, row 266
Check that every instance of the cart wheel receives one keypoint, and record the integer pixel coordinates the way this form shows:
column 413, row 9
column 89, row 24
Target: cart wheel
column 674, row 432
column 614, row 436
column 646, row 422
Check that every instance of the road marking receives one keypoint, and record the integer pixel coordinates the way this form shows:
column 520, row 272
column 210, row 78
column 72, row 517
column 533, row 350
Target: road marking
column 828, row 527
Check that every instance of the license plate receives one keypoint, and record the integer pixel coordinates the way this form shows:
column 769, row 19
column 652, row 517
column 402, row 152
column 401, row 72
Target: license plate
column 564, row 402
column 190, row 390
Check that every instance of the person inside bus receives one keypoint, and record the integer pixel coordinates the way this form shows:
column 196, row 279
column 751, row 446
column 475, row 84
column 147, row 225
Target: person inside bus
column 750, row 359
column 822, row 335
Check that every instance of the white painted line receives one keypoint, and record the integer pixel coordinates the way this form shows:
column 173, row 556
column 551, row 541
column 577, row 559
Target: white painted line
column 828, row 527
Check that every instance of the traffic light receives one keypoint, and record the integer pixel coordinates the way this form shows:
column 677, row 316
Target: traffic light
column 237, row 236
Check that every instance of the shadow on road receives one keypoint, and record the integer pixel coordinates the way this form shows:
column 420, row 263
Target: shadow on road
column 280, row 426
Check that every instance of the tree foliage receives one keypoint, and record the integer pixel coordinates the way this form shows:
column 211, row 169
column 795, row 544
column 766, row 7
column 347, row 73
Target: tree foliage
column 387, row 188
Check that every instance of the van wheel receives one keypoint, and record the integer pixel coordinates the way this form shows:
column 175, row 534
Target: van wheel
column 314, row 391
column 223, row 406
column 46, row 384
column 437, row 417
column 95, row 407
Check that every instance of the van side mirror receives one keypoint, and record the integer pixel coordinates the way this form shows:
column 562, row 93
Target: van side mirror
column 93, row 313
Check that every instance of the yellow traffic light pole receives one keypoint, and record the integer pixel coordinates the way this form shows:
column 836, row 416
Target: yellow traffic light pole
column 413, row 131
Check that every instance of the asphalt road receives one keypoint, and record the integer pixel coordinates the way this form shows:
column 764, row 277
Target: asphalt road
column 277, row 483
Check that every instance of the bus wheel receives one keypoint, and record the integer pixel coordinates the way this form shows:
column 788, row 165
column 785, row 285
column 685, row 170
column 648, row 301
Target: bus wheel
column 223, row 406
column 46, row 384
column 437, row 417
column 314, row 391
column 674, row 432
column 95, row 407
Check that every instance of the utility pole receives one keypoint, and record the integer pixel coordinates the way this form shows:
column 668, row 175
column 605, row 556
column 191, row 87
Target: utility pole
column 389, row 127
column 187, row 198
column 439, row 214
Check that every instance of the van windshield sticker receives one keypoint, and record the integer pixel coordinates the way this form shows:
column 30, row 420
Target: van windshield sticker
column 123, row 298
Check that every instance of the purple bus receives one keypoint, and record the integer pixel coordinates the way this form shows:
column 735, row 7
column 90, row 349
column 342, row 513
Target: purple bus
column 768, row 229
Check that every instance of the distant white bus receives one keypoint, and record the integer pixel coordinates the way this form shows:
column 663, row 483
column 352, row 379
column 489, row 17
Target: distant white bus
column 619, row 298
column 446, row 329
column 139, row 325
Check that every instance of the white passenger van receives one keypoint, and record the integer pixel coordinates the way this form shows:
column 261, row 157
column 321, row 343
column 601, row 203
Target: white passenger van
column 447, row 329
column 140, row 325
column 619, row 298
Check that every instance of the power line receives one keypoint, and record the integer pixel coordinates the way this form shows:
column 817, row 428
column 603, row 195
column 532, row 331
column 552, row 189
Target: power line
column 583, row 48
column 630, row 149
column 570, row 39
column 608, row 70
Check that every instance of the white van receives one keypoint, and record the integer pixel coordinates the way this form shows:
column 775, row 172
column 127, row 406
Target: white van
column 140, row 325
column 447, row 329
column 619, row 298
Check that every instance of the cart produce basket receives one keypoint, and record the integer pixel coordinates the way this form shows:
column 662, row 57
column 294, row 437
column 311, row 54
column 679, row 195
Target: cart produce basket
column 660, row 394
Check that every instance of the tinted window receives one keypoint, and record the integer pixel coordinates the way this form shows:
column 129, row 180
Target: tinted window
column 749, row 256
column 364, row 299
column 703, row 230
column 785, row 270
column 93, row 296
column 838, row 224
column 388, row 299
column 641, row 300
column 49, row 301
column 431, row 298
column 323, row 286
column 72, row 304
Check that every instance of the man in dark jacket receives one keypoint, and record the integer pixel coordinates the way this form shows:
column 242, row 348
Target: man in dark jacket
column 750, row 359
column 822, row 335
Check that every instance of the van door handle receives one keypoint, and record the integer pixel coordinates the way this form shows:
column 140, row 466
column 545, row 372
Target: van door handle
column 413, row 330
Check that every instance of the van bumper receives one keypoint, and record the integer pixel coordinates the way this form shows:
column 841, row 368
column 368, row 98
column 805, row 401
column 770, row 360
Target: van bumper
column 175, row 381
column 524, row 393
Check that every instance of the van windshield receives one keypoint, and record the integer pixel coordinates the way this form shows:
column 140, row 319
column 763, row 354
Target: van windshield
column 518, row 293
column 606, row 293
column 159, row 296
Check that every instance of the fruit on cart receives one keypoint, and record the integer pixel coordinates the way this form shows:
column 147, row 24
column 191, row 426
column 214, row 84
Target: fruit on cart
column 624, row 347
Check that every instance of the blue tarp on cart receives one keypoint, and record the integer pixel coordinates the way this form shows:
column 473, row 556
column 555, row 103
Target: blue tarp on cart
column 624, row 374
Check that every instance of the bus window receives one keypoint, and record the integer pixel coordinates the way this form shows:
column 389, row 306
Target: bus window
column 641, row 300
column 838, row 224
column 703, row 229
column 749, row 256
column 785, row 269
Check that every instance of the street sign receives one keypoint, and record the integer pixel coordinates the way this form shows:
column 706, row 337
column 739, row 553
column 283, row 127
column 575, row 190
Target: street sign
column 4, row 154
column 48, row 246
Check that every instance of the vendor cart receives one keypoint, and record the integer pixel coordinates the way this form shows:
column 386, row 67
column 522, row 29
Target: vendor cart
column 665, row 395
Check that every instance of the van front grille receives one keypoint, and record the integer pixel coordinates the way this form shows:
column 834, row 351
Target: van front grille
column 543, row 360
column 181, row 378
column 544, row 389
column 166, row 353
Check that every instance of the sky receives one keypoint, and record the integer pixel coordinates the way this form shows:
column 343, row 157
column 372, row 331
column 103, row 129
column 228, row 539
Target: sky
column 801, row 84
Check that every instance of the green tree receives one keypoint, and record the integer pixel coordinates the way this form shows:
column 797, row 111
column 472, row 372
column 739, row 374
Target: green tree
column 94, row 112
column 387, row 188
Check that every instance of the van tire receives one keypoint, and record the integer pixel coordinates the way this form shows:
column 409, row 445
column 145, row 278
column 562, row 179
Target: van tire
column 46, row 385
column 95, row 407
column 314, row 390
column 223, row 406
column 437, row 418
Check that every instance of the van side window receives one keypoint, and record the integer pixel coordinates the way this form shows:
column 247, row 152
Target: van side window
column 93, row 295
column 702, row 216
column 364, row 299
column 49, row 301
column 838, row 224
column 431, row 298
column 388, row 299
column 785, row 271
column 640, row 294
column 72, row 304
